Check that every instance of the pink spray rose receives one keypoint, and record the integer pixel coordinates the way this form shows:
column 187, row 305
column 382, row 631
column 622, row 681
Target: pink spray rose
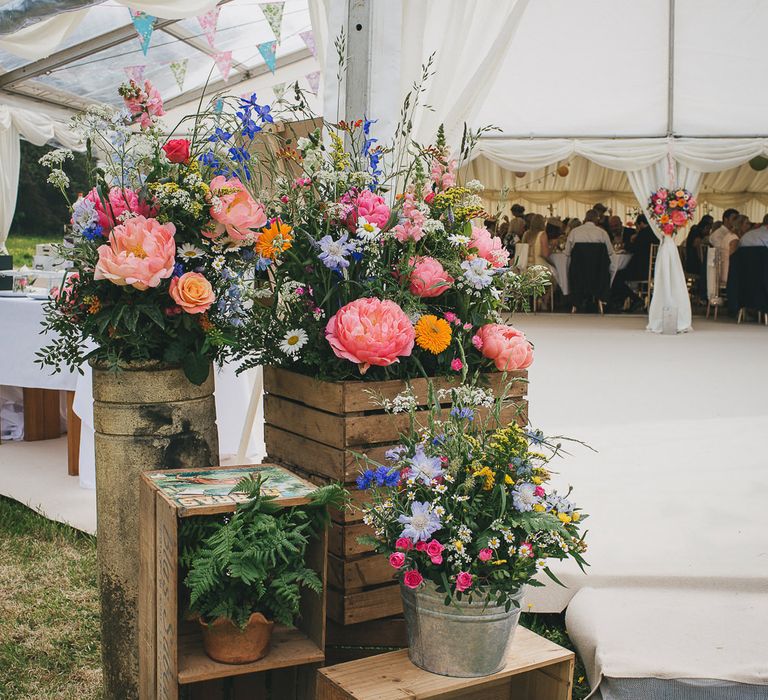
column 428, row 278
column 505, row 345
column 489, row 247
column 192, row 292
column 140, row 253
column 369, row 332
column 397, row 560
column 485, row 554
column 435, row 551
column 118, row 202
column 412, row 578
column 539, row 491
column 477, row 341
column 463, row 580
column 404, row 543
column 236, row 212
column 456, row 364
column 421, row 546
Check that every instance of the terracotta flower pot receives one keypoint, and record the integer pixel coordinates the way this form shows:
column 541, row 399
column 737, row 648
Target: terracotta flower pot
column 226, row 642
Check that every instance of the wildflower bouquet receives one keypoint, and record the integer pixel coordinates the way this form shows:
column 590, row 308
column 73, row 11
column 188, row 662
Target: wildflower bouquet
column 163, row 242
column 672, row 209
column 464, row 501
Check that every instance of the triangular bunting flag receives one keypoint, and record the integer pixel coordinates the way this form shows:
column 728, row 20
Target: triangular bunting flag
column 267, row 51
column 208, row 23
column 314, row 81
column 218, row 108
column 279, row 90
column 179, row 70
column 223, row 60
column 273, row 11
column 309, row 39
column 135, row 73
column 144, row 25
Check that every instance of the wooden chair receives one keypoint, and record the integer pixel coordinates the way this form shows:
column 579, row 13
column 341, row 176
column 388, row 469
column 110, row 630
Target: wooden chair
column 714, row 284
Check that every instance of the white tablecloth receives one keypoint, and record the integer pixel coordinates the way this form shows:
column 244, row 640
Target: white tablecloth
column 20, row 339
column 560, row 262
column 233, row 394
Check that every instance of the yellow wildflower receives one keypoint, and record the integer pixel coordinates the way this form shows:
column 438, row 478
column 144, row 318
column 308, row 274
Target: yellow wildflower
column 508, row 480
column 538, row 507
column 433, row 333
column 499, row 562
column 576, row 516
column 459, row 545
column 536, row 480
column 487, row 475
column 564, row 517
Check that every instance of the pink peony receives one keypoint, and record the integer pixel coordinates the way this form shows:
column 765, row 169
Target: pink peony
column 404, row 543
column 463, row 580
column 489, row 247
column 485, row 554
column 505, row 345
column 456, row 364
column 236, row 212
column 428, row 278
column 118, row 202
column 372, row 207
column 140, row 253
column 412, row 578
column 369, row 332
column 192, row 292
column 397, row 560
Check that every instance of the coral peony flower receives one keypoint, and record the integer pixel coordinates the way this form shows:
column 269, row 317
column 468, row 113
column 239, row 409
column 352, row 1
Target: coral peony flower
column 140, row 253
column 485, row 554
column 463, row 580
column 118, row 202
column 435, row 551
column 489, row 247
column 428, row 278
column 505, row 345
column 397, row 560
column 177, row 150
column 369, row 332
column 236, row 212
column 404, row 543
column 679, row 218
column 433, row 333
column 192, row 292
column 412, row 578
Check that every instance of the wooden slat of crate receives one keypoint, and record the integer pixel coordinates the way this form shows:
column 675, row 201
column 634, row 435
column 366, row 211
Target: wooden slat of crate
column 347, row 608
column 385, row 632
column 356, row 574
column 548, row 667
column 343, row 540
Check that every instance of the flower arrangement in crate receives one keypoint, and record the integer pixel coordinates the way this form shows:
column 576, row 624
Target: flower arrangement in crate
column 672, row 208
column 464, row 510
column 162, row 244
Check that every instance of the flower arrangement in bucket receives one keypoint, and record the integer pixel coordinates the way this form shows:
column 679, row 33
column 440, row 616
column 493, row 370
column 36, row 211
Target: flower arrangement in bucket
column 466, row 515
column 672, row 208
column 162, row 244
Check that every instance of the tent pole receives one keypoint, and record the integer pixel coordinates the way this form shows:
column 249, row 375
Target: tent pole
column 671, row 71
column 357, row 86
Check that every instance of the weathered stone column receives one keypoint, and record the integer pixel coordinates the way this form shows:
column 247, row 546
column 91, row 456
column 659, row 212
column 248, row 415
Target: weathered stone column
column 146, row 417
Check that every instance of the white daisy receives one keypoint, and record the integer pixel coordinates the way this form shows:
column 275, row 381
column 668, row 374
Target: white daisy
column 189, row 252
column 458, row 239
column 293, row 341
column 367, row 230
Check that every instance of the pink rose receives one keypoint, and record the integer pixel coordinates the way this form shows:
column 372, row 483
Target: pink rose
column 177, row 150
column 421, row 546
column 489, row 247
column 397, row 560
column 485, row 554
column 456, row 364
column 118, row 202
column 192, row 292
column 404, row 543
column 435, row 551
column 463, row 580
column 236, row 213
column 140, row 253
column 428, row 278
column 668, row 229
column 678, row 218
column 369, row 332
column 412, row 578
column 506, row 346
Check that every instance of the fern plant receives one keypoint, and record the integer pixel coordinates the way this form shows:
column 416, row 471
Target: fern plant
column 254, row 561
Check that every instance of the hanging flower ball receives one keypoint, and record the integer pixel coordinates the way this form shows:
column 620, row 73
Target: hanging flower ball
column 758, row 163
column 520, row 174
column 563, row 170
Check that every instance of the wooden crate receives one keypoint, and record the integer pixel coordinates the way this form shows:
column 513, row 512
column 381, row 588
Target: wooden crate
column 535, row 669
column 171, row 653
column 314, row 428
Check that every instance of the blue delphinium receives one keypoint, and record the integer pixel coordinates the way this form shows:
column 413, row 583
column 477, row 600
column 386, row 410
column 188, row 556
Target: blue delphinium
column 219, row 135
column 394, row 453
column 464, row 413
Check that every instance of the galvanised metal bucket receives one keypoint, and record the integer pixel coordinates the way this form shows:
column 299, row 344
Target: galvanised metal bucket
column 463, row 639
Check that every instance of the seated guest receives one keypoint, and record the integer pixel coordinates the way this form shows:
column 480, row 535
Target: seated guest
column 554, row 228
column 515, row 232
column 756, row 237
column 572, row 224
column 718, row 233
column 616, row 229
column 538, row 243
column 694, row 243
column 589, row 232
column 637, row 269
column 729, row 242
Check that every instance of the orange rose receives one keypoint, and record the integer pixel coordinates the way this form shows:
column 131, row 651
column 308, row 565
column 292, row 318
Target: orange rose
column 192, row 292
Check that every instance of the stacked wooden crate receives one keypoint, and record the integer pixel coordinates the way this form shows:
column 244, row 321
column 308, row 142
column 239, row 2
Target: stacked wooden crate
column 315, row 428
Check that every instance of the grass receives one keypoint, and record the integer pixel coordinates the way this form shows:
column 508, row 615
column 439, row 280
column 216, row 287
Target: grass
column 22, row 246
column 49, row 609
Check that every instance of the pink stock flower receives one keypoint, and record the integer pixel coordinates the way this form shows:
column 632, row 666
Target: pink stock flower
column 485, row 554
column 435, row 551
column 443, row 176
column 192, row 292
column 506, row 346
column 236, row 212
column 412, row 578
column 456, row 364
column 428, row 278
column 411, row 229
column 118, row 202
column 463, row 580
column 404, row 543
column 370, row 331
column 143, row 103
column 397, row 560
column 489, row 247
column 140, row 253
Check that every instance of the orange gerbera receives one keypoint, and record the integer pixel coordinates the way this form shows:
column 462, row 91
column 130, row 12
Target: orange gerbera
column 433, row 333
column 274, row 239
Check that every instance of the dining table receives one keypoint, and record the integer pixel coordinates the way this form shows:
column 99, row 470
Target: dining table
column 560, row 262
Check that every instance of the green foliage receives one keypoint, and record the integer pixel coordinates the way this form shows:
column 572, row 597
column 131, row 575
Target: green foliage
column 253, row 561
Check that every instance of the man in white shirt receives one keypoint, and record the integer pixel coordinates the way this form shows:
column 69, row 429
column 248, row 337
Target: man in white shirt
column 589, row 232
column 717, row 236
